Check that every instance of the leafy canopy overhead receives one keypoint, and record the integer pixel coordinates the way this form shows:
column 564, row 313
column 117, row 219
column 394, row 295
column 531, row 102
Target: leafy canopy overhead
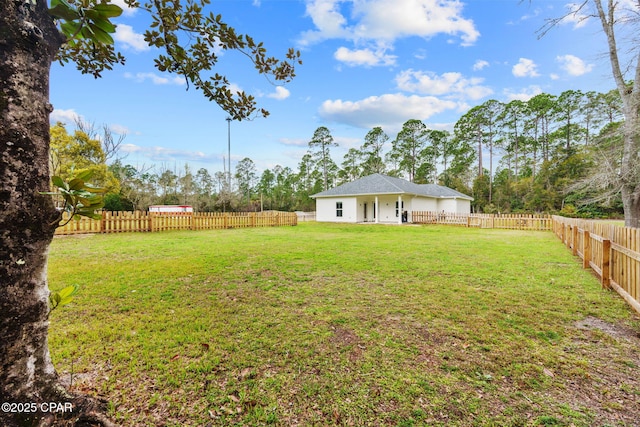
column 188, row 38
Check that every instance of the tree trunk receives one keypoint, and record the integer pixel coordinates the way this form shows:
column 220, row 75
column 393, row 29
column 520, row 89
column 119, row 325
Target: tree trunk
column 631, row 204
column 28, row 42
column 631, row 109
column 629, row 166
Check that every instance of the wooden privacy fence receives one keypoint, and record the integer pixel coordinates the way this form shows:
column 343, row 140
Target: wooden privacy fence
column 121, row 222
column 613, row 252
column 505, row 221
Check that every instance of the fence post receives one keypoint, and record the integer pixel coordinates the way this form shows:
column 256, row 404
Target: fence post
column 606, row 263
column 586, row 249
column 574, row 238
column 102, row 222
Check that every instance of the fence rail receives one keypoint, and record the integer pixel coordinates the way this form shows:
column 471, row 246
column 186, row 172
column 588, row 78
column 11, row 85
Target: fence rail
column 611, row 251
column 506, row 221
column 126, row 222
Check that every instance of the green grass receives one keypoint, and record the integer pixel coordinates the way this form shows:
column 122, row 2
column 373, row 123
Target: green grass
column 325, row 324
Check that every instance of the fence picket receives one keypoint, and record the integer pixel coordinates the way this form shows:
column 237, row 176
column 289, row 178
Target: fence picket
column 118, row 222
column 511, row 221
column 612, row 252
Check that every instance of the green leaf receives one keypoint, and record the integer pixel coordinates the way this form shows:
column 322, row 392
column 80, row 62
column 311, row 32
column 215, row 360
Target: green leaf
column 100, row 35
column 91, row 14
column 70, row 28
column 85, row 175
column 54, row 298
column 60, row 12
column 80, row 199
column 105, row 25
column 69, row 291
column 58, row 182
column 76, row 184
column 63, row 10
column 89, row 213
column 87, row 33
column 63, row 296
column 93, row 189
column 108, row 10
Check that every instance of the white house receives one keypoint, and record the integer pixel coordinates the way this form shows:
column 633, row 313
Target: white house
column 381, row 198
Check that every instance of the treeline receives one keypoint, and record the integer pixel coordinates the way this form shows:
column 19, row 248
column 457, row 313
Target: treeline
column 540, row 155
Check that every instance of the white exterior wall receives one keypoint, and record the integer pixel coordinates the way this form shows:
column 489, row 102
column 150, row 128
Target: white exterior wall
column 326, row 209
column 459, row 206
column 425, row 204
column 464, row 206
column 367, row 203
column 353, row 208
column 388, row 209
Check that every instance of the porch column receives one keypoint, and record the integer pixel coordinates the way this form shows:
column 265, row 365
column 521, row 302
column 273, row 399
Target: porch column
column 376, row 210
column 400, row 209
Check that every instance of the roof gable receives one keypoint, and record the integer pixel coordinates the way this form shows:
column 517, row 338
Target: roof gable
column 383, row 184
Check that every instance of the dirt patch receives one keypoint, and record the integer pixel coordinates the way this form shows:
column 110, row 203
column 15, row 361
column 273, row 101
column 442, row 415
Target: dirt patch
column 345, row 339
column 615, row 331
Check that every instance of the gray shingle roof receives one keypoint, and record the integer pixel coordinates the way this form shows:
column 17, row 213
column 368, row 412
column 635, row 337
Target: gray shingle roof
column 383, row 184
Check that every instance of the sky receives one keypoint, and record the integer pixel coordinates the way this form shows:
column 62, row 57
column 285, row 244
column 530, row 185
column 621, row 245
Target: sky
column 366, row 63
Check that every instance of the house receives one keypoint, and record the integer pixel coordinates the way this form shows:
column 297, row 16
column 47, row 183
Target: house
column 381, row 198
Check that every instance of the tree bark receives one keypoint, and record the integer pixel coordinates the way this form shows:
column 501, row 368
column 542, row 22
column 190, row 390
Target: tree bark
column 28, row 42
column 629, row 174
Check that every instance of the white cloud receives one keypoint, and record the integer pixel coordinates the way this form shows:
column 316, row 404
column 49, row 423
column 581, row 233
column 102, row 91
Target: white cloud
column 534, row 14
column 132, row 40
column 452, row 84
column 389, row 110
column 383, row 19
column 234, row 88
column 386, row 21
column 576, row 15
column 525, row 68
column 573, row 65
column 480, row 64
column 280, row 93
column 346, row 142
column 64, row 116
column 119, row 129
column 294, row 142
column 162, row 154
column 328, row 20
column 155, row 79
column 126, row 10
column 523, row 94
column 130, row 148
column 366, row 57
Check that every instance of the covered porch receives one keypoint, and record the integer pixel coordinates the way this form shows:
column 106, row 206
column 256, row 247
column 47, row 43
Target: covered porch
column 383, row 209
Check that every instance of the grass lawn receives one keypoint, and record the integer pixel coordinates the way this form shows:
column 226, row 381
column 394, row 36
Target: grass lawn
column 355, row 325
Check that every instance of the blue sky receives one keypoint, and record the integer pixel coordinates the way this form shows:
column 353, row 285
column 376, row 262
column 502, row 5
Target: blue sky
column 366, row 63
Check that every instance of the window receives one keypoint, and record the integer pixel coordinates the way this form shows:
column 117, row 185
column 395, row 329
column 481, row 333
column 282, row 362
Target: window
column 397, row 212
column 339, row 209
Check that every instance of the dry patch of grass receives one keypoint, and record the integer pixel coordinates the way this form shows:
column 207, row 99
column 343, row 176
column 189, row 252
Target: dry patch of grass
column 344, row 325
